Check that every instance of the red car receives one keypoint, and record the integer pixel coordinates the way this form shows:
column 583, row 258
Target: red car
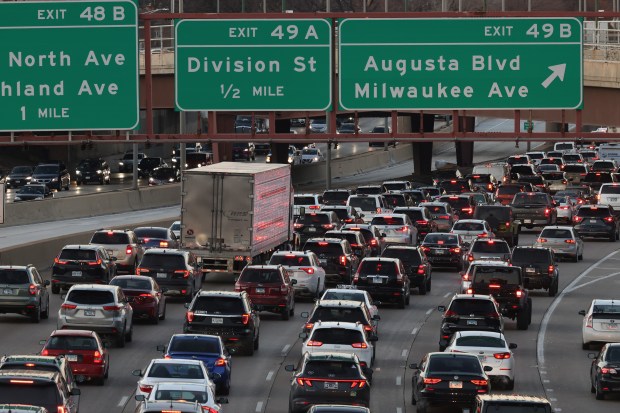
column 145, row 295
column 85, row 352
column 269, row 288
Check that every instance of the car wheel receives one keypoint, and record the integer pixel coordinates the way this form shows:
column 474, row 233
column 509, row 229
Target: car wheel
column 585, row 346
column 78, row 183
column 163, row 315
column 36, row 316
column 120, row 339
column 46, row 314
column 592, row 389
column 529, row 311
column 553, row 290
column 130, row 334
column 249, row 347
column 422, row 287
column 413, row 401
column 257, row 342
column 107, row 370
column 612, row 237
column 422, row 407
column 402, row 302
column 408, row 299
column 581, row 257
column 292, row 312
column 225, row 390
column 522, row 319
column 598, row 392
column 286, row 313
column 509, row 385
column 99, row 381
column 155, row 320
column 55, row 289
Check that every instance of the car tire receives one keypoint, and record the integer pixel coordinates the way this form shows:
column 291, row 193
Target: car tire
column 154, row 320
column 129, row 337
column 257, row 342
column 553, row 290
column 55, row 289
column 422, row 287
column 598, row 394
column 46, row 314
column 286, row 313
column 529, row 311
column 422, row 407
column 581, row 257
column 428, row 285
column 612, row 237
column 120, row 339
column 509, row 385
column 408, row 299
column 162, row 317
column 78, row 183
column 592, row 389
column 99, row 381
column 249, row 347
column 522, row 319
column 585, row 346
column 36, row 316
column 402, row 302
column 576, row 257
column 225, row 389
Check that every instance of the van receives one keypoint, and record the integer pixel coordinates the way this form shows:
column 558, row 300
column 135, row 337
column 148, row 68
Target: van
column 609, row 151
column 499, row 170
column 564, row 147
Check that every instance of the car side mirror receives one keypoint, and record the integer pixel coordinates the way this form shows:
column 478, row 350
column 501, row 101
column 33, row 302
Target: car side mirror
column 293, row 281
column 305, row 314
column 161, row 348
column 139, row 397
column 221, row 400
column 46, row 283
column 303, row 336
column 376, row 317
column 441, row 308
column 186, row 305
column 592, row 356
column 137, row 373
column 290, row 367
column 75, row 392
column 488, row 368
column 414, row 366
column 512, row 346
column 582, row 312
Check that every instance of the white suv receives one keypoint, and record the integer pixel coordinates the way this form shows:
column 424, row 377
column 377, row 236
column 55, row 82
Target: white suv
column 304, row 266
column 311, row 202
column 609, row 194
column 340, row 337
column 369, row 205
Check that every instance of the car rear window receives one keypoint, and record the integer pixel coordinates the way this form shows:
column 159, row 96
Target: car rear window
column 335, row 196
column 309, row 219
column 193, row 345
column 72, row 343
column 480, row 179
column 433, row 191
column 496, row 275
column 304, row 200
column 332, row 369
column 417, row 196
column 598, row 177
column 352, row 238
column 263, row 276
column 110, row 238
column 529, row 199
column 602, row 165
column 387, row 221
column 606, row 311
column 39, row 394
column 78, row 255
column 407, row 256
column 476, row 307
column 508, row 190
column 185, row 395
column 454, row 364
column 573, row 157
column 413, row 214
column 326, row 249
column 490, row 246
column 344, row 336
column 610, row 189
column 531, row 255
column 132, row 283
column 500, row 213
column 395, row 186
column 370, row 190
column 94, row 297
column 340, row 212
column 533, row 179
column 343, row 314
column 289, row 260
column 367, row 234
column 365, row 204
column 377, row 267
column 468, row 226
column 164, row 261
column 556, row 233
column 344, row 295
column 593, row 212
column 14, row 276
column 436, row 209
column 522, row 169
column 219, row 305
column 395, row 200
column 445, row 239
column 553, row 176
column 575, row 168
column 456, row 202
column 152, row 232
column 176, row 371
column 480, row 341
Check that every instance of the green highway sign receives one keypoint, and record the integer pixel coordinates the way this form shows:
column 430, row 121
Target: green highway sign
column 460, row 63
column 262, row 65
column 68, row 65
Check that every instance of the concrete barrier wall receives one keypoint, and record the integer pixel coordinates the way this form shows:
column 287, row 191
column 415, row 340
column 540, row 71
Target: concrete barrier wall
column 353, row 165
column 83, row 206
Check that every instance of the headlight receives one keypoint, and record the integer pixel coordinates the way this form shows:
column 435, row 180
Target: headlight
column 99, row 171
column 268, row 159
column 8, row 178
column 17, row 198
column 151, row 180
column 54, row 179
column 315, row 159
column 28, row 178
column 290, row 159
column 77, row 172
column 121, row 163
column 170, row 179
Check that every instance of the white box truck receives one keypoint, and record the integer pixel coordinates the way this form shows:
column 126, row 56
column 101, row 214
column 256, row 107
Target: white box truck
column 234, row 214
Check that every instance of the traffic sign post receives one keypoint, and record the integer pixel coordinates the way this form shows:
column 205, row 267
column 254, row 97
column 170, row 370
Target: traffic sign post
column 462, row 63
column 68, row 65
column 253, row 65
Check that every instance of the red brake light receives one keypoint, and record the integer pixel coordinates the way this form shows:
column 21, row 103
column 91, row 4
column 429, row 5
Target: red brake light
column 541, row 240
column 221, row 362
column 32, row 289
column 97, row 357
column 456, row 250
column 128, row 250
column 323, row 243
column 373, row 242
column 480, row 382
column 470, row 291
column 308, row 270
column 519, row 293
column 444, row 217
column 68, row 306
column 314, row 343
column 569, row 241
column 422, row 222
column 304, row 382
column 494, row 286
column 605, row 370
column 245, row 319
column 298, row 226
column 367, row 327
column 465, row 277
column 62, row 409
column 551, row 269
column 314, row 207
column 146, row 388
column 467, row 210
column 163, row 244
column 403, row 229
column 608, row 219
column 328, row 226
column 429, row 380
column 421, row 269
column 57, row 261
column 451, row 313
column 184, row 272
column 112, row 307
column 470, row 257
column 501, row 356
column 359, row 345
column 577, row 219
column 98, row 262
column 547, row 211
column 189, row 316
column 343, row 260
column 309, row 326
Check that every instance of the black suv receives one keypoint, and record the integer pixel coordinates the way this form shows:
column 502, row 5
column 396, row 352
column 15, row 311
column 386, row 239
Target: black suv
column 43, row 388
column 19, row 176
column 597, row 221
column 463, row 205
column 229, row 315
column 540, row 268
column 148, row 165
column 356, row 240
column 505, row 284
column 501, row 221
column 416, row 265
column 337, row 258
column 444, row 250
column 336, row 196
column 328, row 378
column 456, row 186
column 82, row 264
column 92, row 170
column 315, row 224
column 385, row 279
column 467, row 312
column 23, row 291
column 54, row 175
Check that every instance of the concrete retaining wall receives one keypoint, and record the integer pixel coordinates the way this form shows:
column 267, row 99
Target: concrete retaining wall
column 91, row 205
column 353, row 165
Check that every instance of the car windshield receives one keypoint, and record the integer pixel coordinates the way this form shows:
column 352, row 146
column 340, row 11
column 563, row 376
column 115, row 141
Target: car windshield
column 610, row 189
column 150, row 162
column 143, row 283
column 292, row 260
column 524, row 256
column 529, row 199
column 444, row 239
column 21, row 170
column 476, row 307
column 556, row 233
column 31, row 189
column 343, row 314
column 14, row 276
column 176, row 226
column 408, row 256
column 480, row 341
column 369, row 190
column 451, row 363
column 185, row 395
column 304, row 200
column 89, row 164
column 219, row 305
column 92, row 297
column 339, row 336
column 314, row 218
column 365, row 204
column 324, row 249
column 496, row 275
column 309, row 151
column 47, row 169
column 161, row 233
column 78, row 255
column 176, row 371
column 332, row 369
column 164, row 261
column 194, row 345
column 378, row 267
column 39, row 394
column 71, row 343
column 388, row 221
column 593, row 212
column 107, row 238
column 260, row 275
column 468, row 226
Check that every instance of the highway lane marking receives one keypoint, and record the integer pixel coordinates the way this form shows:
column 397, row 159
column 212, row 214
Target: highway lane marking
column 415, row 330
column 399, row 410
column 269, row 375
column 285, row 349
column 123, row 401
column 399, row 380
column 540, row 342
column 597, row 279
column 430, row 310
column 446, row 295
column 259, row 407
column 553, row 399
column 404, row 353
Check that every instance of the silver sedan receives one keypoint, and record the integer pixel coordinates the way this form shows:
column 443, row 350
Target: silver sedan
column 563, row 240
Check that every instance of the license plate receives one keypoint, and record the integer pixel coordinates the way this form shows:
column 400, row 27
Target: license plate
column 613, row 199
column 377, row 280
column 311, row 229
column 530, row 270
column 612, row 326
column 217, row 320
column 323, row 262
column 593, row 221
column 527, row 221
column 89, row 313
column 161, row 275
column 8, row 291
column 331, row 385
column 441, row 252
column 260, row 290
column 456, row 384
column 76, row 273
column 71, row 357
column 472, row 322
column 87, row 177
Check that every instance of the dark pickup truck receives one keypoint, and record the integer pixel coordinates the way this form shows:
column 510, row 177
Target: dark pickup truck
column 532, row 209
column 505, row 284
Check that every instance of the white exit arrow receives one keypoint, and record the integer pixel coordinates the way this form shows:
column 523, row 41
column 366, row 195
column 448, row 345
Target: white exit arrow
column 556, row 71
